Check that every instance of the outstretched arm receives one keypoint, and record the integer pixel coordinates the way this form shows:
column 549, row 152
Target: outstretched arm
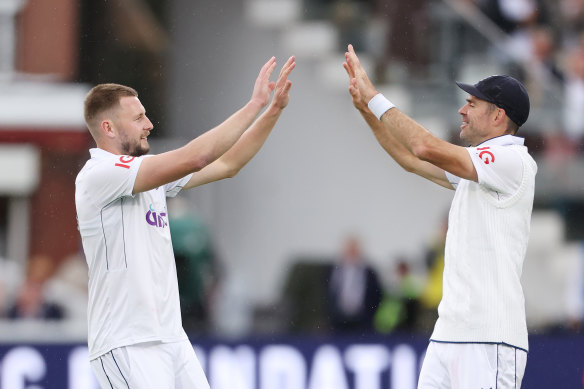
column 390, row 144
column 206, row 148
column 230, row 163
column 415, row 138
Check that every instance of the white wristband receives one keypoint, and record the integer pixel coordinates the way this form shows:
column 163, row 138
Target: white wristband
column 380, row 105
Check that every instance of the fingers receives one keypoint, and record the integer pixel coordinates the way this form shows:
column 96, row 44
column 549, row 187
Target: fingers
column 288, row 66
column 354, row 89
column 268, row 68
column 287, row 87
column 350, row 55
column 285, row 72
column 349, row 70
column 352, row 60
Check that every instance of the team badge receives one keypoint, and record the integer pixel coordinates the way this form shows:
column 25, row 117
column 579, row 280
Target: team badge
column 125, row 160
column 485, row 155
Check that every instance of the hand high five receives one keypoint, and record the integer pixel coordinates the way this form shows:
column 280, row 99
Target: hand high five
column 263, row 87
column 363, row 89
column 283, row 85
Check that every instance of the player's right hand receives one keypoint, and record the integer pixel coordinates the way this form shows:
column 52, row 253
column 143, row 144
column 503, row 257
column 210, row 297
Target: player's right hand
column 357, row 72
column 263, row 87
column 283, row 85
column 358, row 101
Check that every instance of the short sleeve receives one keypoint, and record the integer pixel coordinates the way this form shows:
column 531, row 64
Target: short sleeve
column 112, row 178
column 499, row 168
column 171, row 189
column 454, row 180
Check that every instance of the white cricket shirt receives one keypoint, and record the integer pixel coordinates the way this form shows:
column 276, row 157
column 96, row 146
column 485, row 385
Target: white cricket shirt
column 133, row 289
column 488, row 232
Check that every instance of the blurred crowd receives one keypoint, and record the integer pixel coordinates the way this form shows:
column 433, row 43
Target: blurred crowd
column 345, row 293
column 44, row 289
column 350, row 294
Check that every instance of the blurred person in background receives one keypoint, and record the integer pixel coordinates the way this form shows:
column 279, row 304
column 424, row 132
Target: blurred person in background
column 11, row 276
column 431, row 292
column 196, row 264
column 399, row 308
column 511, row 16
column 573, row 111
column 542, row 73
column 354, row 291
column 31, row 301
column 136, row 338
column 481, row 321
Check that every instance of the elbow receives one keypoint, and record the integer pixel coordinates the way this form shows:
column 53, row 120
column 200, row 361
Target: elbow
column 422, row 151
column 408, row 168
column 227, row 169
column 199, row 162
column 231, row 172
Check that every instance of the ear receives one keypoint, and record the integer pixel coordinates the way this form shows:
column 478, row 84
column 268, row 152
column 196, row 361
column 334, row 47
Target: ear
column 501, row 117
column 107, row 128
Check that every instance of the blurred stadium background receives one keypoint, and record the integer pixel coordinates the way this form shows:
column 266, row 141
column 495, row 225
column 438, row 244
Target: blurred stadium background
column 251, row 250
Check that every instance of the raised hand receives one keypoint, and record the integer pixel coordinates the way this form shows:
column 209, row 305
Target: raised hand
column 358, row 101
column 283, row 85
column 263, row 87
column 357, row 72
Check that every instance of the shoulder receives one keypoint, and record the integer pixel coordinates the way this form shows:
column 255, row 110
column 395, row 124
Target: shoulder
column 110, row 165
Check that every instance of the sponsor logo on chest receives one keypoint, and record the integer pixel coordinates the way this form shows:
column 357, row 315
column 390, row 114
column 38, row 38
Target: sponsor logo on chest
column 156, row 218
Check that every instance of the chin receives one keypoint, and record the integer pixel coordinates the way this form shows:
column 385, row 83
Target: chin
column 140, row 151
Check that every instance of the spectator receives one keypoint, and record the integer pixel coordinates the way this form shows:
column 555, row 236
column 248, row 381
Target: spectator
column 431, row 293
column 572, row 20
column 542, row 73
column 574, row 95
column 31, row 302
column 400, row 306
column 11, row 275
column 195, row 262
column 511, row 15
column 354, row 291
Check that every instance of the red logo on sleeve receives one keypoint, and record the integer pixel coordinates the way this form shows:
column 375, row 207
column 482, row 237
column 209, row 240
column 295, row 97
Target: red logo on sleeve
column 486, row 155
column 124, row 159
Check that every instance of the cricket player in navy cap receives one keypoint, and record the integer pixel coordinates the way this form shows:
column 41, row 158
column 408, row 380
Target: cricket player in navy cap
column 480, row 337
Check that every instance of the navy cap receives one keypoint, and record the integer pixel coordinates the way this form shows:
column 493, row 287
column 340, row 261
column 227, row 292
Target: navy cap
column 503, row 91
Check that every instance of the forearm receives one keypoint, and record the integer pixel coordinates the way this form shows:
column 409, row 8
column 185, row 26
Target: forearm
column 401, row 154
column 197, row 154
column 390, row 144
column 251, row 141
column 406, row 131
column 215, row 142
column 230, row 163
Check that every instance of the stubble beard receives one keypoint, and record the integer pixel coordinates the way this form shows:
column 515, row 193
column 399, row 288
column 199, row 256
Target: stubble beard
column 137, row 150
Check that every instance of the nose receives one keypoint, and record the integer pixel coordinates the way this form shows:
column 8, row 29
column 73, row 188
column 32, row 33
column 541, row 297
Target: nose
column 462, row 110
column 149, row 125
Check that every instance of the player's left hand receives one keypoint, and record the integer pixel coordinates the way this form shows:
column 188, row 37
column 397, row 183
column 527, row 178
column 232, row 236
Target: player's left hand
column 283, row 85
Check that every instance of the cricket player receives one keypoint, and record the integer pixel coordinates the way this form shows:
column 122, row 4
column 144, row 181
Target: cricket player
column 480, row 338
column 136, row 339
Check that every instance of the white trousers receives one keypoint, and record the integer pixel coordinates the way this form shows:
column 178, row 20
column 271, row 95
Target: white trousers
column 150, row 365
column 472, row 366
